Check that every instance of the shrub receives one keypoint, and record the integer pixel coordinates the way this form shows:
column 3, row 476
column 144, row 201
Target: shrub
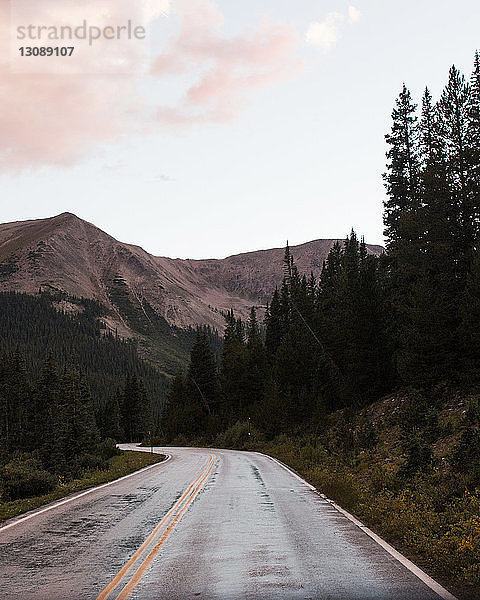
column 241, row 436
column 25, row 476
column 88, row 462
column 466, row 453
column 181, row 440
column 418, row 457
column 366, row 436
column 107, row 449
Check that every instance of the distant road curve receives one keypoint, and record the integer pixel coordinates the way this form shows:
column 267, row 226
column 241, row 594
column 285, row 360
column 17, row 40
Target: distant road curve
column 208, row 524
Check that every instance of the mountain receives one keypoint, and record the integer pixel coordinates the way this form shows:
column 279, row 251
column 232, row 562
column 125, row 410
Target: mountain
column 142, row 293
column 71, row 255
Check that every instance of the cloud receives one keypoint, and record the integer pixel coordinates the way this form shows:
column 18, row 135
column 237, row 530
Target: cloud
column 54, row 111
column 60, row 114
column 224, row 71
column 325, row 34
column 354, row 14
column 153, row 9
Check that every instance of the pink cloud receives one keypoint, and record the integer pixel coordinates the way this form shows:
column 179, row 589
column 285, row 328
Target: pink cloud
column 225, row 70
column 55, row 111
column 53, row 118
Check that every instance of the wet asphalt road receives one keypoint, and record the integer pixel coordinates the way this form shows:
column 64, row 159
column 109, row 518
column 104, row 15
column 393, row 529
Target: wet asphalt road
column 245, row 529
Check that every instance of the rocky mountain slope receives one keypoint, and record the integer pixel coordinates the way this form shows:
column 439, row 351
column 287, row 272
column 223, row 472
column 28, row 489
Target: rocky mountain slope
column 65, row 253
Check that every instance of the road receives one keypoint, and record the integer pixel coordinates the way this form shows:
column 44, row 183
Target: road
column 207, row 524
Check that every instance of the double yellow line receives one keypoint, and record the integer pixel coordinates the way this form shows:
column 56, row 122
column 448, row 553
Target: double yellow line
column 156, row 539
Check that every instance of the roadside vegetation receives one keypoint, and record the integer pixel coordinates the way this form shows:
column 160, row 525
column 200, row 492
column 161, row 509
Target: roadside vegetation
column 42, row 488
column 407, row 465
column 416, row 484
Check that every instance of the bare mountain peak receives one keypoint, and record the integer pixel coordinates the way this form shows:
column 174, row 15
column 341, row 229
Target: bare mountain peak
column 66, row 215
column 70, row 219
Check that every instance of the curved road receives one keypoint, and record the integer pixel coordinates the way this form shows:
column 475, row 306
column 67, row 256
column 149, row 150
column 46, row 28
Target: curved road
column 207, row 524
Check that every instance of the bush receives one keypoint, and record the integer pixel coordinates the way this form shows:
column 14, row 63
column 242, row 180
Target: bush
column 181, row 440
column 241, row 436
column 88, row 462
column 107, row 449
column 25, row 476
column 338, row 484
column 418, row 457
column 466, row 453
column 366, row 436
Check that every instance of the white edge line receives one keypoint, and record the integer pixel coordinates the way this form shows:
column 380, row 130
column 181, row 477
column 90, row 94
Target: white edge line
column 427, row 580
column 81, row 494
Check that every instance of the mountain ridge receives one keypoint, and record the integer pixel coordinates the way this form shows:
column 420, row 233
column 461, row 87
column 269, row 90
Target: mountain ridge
column 68, row 254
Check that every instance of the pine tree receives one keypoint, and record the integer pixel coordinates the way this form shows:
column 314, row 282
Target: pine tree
column 403, row 217
column 473, row 134
column 234, row 372
column 110, row 418
column 273, row 326
column 428, row 343
column 135, row 409
column 80, row 432
column 469, row 330
column 202, row 372
column 350, row 306
column 50, row 419
column 256, row 362
column 16, row 416
column 402, row 177
column 454, row 109
column 181, row 416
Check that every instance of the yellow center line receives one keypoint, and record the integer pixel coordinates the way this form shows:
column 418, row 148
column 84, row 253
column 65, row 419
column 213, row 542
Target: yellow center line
column 142, row 569
column 133, row 559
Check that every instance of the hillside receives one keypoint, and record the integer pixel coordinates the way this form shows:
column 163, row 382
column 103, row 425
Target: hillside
column 68, row 254
column 33, row 327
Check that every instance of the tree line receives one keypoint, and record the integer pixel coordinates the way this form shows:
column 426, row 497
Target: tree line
column 369, row 325
column 32, row 326
column 67, row 391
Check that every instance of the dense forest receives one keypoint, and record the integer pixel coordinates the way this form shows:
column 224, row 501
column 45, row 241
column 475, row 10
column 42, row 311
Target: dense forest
column 370, row 325
column 35, row 327
column 66, row 388
column 69, row 389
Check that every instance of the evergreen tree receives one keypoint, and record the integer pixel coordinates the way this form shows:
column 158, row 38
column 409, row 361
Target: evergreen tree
column 402, row 178
column 256, row 362
column 79, row 432
column 428, row 307
column 182, row 416
column 16, row 418
column 473, row 135
column 469, row 330
column 454, row 107
column 273, row 325
column 136, row 410
column 202, row 372
column 234, row 377
column 109, row 420
column 50, row 419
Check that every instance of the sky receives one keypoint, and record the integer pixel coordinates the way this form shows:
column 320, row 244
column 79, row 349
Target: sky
column 227, row 126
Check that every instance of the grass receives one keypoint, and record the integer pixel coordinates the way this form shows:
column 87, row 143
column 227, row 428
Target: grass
column 118, row 466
